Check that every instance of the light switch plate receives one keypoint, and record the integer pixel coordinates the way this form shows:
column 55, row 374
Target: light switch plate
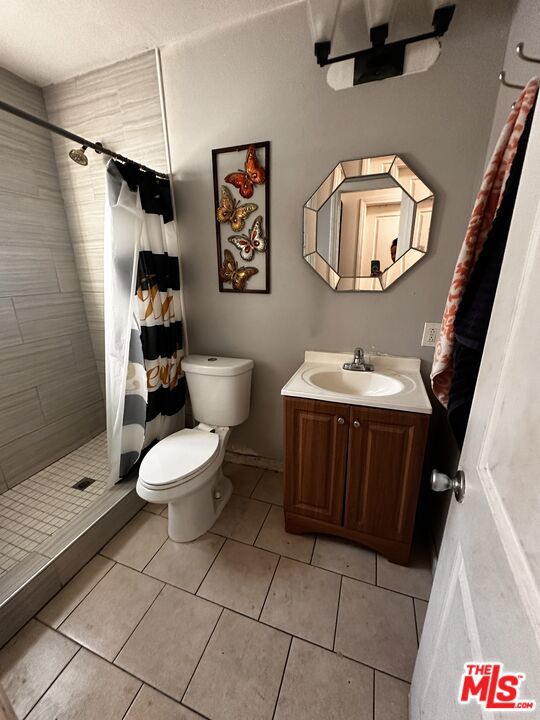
column 430, row 334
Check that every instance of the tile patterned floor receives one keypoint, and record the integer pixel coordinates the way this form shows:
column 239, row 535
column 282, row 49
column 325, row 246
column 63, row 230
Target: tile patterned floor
column 245, row 623
column 31, row 512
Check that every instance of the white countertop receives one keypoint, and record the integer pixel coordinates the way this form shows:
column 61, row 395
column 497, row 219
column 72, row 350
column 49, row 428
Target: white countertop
column 411, row 398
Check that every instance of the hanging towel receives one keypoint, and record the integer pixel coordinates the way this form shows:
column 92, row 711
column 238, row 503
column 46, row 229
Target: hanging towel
column 474, row 313
column 487, row 202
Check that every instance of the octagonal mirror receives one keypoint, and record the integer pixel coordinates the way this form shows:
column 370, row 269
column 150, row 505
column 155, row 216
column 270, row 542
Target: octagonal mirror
column 367, row 224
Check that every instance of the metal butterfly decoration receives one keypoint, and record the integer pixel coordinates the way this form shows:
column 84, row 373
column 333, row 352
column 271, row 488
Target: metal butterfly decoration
column 253, row 174
column 230, row 211
column 248, row 244
column 230, row 272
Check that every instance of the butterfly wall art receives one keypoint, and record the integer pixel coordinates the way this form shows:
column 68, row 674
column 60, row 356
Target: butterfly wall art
column 232, row 212
column 229, row 272
column 248, row 244
column 252, row 174
column 242, row 217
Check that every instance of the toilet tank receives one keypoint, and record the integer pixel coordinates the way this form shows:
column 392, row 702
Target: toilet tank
column 219, row 388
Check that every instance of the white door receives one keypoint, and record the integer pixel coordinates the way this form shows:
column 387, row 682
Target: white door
column 485, row 602
column 380, row 230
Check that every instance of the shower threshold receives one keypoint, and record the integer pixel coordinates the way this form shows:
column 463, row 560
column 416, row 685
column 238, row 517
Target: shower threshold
column 50, row 529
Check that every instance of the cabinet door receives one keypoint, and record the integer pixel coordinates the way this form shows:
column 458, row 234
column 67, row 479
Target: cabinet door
column 316, row 436
column 386, row 450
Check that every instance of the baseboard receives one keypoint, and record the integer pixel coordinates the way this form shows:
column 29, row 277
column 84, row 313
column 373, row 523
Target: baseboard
column 241, row 458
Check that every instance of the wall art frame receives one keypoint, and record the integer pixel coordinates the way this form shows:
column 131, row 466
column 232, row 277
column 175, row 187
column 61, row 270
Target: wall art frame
column 242, row 217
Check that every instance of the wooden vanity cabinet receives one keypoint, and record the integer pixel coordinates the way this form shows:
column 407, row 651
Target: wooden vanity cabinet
column 353, row 471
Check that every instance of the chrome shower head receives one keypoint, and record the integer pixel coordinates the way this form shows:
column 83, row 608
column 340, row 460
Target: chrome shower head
column 78, row 155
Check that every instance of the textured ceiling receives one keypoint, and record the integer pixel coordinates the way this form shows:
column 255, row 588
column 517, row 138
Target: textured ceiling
column 47, row 41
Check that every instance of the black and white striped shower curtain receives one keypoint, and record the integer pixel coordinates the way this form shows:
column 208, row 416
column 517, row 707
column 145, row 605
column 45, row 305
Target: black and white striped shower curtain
column 145, row 387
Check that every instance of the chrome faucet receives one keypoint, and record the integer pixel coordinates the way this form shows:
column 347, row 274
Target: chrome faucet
column 358, row 362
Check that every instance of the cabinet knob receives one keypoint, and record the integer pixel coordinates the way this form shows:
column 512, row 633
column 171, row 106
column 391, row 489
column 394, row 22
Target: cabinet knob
column 341, row 420
column 356, row 423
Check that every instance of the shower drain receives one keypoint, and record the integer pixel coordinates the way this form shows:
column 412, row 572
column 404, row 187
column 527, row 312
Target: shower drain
column 83, row 483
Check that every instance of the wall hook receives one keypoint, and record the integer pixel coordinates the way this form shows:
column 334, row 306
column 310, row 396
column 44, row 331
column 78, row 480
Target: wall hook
column 520, row 49
column 502, row 78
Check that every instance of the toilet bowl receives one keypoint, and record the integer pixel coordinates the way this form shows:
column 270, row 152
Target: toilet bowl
column 184, row 469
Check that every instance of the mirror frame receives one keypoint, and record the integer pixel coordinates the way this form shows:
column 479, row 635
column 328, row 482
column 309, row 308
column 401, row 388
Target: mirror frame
column 356, row 170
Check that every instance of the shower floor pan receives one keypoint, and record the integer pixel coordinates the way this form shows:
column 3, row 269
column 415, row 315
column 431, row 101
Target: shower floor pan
column 34, row 510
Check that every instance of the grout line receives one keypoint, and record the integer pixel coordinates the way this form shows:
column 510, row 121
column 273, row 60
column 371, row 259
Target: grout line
column 130, row 674
column 56, row 676
column 282, row 677
column 257, row 482
column 337, row 614
column 127, row 672
column 384, row 672
column 132, row 702
column 397, row 592
column 313, row 552
column 143, row 683
column 130, row 567
column 82, row 599
column 374, row 674
column 339, row 654
column 201, row 657
column 154, row 555
column 211, row 566
column 268, row 588
column 262, row 525
column 416, row 624
column 113, row 661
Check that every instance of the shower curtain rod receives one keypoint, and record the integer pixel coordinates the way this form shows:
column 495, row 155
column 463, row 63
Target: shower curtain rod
column 98, row 147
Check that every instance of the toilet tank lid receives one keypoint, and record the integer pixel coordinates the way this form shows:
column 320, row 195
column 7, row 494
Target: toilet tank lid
column 213, row 365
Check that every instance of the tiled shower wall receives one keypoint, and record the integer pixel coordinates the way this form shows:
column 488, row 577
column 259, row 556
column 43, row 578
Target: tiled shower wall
column 118, row 106
column 50, row 398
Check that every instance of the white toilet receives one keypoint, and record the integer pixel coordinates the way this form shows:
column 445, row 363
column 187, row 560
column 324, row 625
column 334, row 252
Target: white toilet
column 184, row 469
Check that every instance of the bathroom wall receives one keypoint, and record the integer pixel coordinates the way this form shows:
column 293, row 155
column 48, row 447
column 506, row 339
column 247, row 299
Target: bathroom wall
column 118, row 106
column 259, row 81
column 50, row 399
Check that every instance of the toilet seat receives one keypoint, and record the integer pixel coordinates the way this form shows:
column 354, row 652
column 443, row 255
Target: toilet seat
column 178, row 458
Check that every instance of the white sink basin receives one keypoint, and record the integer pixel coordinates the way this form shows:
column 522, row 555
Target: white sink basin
column 394, row 384
column 350, row 382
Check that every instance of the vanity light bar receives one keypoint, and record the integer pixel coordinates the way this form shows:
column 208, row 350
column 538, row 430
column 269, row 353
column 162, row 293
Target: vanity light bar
column 382, row 61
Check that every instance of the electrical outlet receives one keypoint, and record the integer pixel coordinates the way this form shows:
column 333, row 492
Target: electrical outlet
column 430, row 334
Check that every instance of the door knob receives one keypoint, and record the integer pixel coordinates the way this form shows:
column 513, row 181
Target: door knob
column 356, row 424
column 341, row 420
column 441, row 482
